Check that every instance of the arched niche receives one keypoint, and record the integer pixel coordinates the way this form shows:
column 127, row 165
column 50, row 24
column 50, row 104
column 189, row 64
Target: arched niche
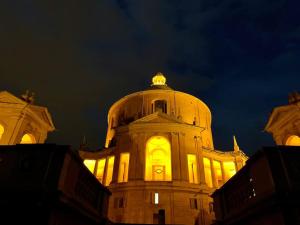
column 28, row 139
column 158, row 159
column 293, row 140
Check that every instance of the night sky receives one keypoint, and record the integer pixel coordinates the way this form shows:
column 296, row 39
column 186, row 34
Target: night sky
column 241, row 57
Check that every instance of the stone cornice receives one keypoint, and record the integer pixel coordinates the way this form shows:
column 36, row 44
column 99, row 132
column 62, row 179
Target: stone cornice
column 158, row 127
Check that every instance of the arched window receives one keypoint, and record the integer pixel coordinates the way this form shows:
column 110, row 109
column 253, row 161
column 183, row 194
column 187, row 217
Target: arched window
column 158, row 159
column 293, row 140
column 28, row 139
column 1, row 131
column 159, row 106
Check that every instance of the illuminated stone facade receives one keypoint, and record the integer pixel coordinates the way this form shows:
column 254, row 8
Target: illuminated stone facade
column 159, row 160
column 284, row 122
column 21, row 121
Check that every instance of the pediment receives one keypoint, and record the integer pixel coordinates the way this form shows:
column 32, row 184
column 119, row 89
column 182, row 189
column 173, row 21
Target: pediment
column 43, row 114
column 38, row 112
column 158, row 118
column 281, row 116
column 6, row 97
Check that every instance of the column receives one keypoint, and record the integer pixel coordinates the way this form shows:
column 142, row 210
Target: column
column 200, row 160
column 223, row 172
column 183, row 157
column 175, row 154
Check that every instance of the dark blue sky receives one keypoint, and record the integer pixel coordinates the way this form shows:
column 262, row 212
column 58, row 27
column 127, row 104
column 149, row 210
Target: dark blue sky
column 241, row 57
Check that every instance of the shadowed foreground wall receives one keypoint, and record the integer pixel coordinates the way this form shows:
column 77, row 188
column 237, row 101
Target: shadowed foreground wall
column 266, row 191
column 48, row 184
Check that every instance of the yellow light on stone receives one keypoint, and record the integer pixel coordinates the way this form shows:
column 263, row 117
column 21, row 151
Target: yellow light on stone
column 100, row 169
column 158, row 159
column 207, row 172
column 192, row 168
column 110, row 168
column 218, row 173
column 229, row 169
column 90, row 164
column 1, row 131
column 123, row 167
column 159, row 79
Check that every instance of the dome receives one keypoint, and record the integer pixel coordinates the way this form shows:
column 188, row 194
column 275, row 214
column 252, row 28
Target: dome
column 180, row 106
column 159, row 155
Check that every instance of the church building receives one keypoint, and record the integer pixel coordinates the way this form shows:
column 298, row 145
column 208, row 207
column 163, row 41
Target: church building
column 159, row 159
column 22, row 122
column 284, row 122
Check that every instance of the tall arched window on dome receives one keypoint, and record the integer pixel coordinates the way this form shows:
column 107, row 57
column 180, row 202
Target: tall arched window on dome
column 293, row 140
column 28, row 139
column 1, row 130
column 158, row 159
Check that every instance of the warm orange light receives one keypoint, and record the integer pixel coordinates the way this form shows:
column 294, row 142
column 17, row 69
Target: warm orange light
column 218, row 173
column 90, row 164
column 100, row 169
column 1, row 131
column 229, row 169
column 123, row 167
column 158, row 159
column 207, row 172
column 192, row 168
column 293, row 140
column 28, row 139
column 110, row 169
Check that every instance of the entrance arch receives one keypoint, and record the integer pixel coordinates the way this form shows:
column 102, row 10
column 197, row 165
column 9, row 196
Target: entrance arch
column 158, row 159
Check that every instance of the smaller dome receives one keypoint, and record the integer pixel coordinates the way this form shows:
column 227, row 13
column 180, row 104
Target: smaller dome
column 159, row 79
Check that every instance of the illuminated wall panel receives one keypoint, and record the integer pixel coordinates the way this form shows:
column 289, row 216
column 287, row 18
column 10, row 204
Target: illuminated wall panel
column 192, row 168
column 90, row 164
column 123, row 167
column 207, row 172
column 1, row 131
column 100, row 169
column 229, row 169
column 110, row 168
column 218, row 173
